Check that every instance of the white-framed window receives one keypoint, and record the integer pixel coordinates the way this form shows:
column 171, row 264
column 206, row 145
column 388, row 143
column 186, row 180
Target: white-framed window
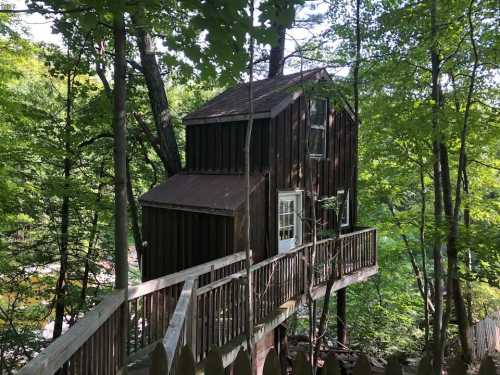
column 344, row 218
column 317, row 134
column 289, row 220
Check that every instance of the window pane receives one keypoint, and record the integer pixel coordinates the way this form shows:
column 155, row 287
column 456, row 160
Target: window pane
column 318, row 112
column 316, row 141
column 344, row 220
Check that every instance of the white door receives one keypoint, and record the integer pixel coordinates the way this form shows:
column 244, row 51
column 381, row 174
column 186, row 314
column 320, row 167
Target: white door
column 289, row 220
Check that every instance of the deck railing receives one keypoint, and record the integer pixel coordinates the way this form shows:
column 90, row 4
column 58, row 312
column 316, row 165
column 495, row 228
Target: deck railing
column 220, row 306
column 91, row 346
column 202, row 306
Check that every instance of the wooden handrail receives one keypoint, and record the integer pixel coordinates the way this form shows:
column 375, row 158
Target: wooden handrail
column 174, row 278
column 54, row 357
column 357, row 231
column 174, row 337
column 357, row 250
column 257, row 266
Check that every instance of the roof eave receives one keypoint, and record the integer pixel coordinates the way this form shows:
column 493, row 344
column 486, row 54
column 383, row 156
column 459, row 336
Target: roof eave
column 320, row 74
column 227, row 118
column 179, row 207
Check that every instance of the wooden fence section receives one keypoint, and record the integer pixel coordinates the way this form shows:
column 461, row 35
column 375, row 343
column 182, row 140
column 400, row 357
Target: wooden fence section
column 203, row 306
column 485, row 336
column 220, row 306
column 152, row 303
column 330, row 366
column 91, row 345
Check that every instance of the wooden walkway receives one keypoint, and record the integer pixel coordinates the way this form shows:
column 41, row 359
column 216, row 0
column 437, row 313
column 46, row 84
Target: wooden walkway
column 204, row 306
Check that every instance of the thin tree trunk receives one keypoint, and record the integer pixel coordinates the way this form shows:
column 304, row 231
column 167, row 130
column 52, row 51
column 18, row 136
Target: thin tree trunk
column 355, row 74
column 438, row 328
column 90, row 253
column 312, row 257
column 452, row 211
column 91, row 246
column 248, row 259
column 413, row 260
column 423, row 252
column 468, row 254
column 65, row 212
column 357, row 61
column 120, row 169
column 157, row 95
column 342, row 328
column 134, row 215
column 342, row 316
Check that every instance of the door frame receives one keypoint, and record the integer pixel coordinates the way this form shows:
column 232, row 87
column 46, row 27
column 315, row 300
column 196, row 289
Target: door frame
column 297, row 195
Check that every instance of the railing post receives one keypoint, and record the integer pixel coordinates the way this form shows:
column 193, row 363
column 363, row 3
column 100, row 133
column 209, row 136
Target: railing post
column 212, row 274
column 340, row 256
column 304, row 264
column 192, row 321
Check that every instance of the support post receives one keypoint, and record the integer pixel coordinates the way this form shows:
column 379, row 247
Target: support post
column 341, row 316
column 340, row 256
column 192, row 320
column 305, row 264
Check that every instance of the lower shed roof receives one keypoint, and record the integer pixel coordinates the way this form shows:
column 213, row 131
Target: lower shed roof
column 216, row 194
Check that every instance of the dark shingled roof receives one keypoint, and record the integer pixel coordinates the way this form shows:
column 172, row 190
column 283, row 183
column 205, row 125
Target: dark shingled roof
column 217, row 194
column 269, row 94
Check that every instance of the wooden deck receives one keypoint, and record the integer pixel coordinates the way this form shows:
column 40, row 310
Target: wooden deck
column 204, row 306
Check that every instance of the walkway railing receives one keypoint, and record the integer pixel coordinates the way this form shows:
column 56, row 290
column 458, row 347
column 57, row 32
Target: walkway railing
column 91, row 346
column 220, row 306
column 201, row 307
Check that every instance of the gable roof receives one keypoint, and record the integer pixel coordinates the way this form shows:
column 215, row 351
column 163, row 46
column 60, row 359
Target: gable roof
column 215, row 194
column 271, row 96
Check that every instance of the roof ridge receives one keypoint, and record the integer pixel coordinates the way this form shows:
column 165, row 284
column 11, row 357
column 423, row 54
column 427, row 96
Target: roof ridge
column 232, row 103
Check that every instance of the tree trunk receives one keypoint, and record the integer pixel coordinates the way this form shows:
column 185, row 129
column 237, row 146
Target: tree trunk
column 420, row 278
column 134, row 215
column 423, row 252
column 157, row 95
column 468, row 255
column 342, row 316
column 454, row 292
column 277, row 53
column 64, row 239
column 248, row 259
column 355, row 76
column 329, row 286
column 120, row 169
column 438, row 344
column 452, row 211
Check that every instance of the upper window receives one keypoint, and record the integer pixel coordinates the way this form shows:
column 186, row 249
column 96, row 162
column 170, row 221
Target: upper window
column 317, row 135
column 343, row 198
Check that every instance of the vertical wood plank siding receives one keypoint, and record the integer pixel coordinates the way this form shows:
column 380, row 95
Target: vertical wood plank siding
column 181, row 239
column 288, row 162
column 218, row 147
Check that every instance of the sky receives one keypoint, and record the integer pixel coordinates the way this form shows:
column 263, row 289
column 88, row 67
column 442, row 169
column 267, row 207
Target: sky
column 38, row 27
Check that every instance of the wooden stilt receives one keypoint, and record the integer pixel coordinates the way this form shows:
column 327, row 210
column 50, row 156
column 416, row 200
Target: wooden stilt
column 341, row 316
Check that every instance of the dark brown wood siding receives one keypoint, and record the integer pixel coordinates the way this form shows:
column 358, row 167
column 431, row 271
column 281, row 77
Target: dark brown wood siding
column 218, row 147
column 180, row 239
column 259, row 224
column 289, row 163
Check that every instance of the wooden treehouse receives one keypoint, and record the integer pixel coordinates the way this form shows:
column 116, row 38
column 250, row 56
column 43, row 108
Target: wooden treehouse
column 194, row 225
